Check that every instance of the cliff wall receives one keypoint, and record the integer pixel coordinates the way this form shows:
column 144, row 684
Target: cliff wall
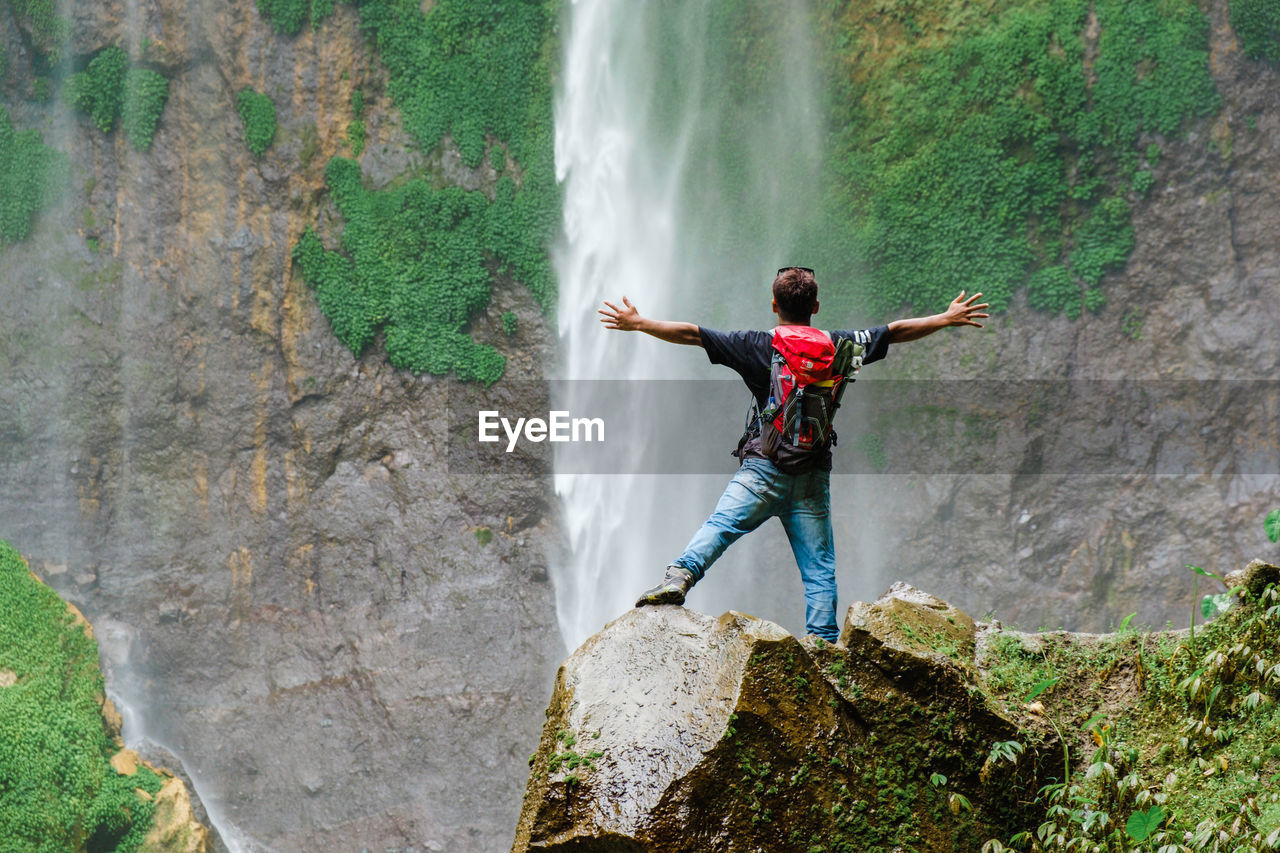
column 341, row 635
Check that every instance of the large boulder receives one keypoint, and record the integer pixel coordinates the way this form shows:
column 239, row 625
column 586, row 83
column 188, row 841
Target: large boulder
column 674, row 731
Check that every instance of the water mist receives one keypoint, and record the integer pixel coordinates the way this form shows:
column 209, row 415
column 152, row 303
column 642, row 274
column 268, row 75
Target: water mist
column 691, row 159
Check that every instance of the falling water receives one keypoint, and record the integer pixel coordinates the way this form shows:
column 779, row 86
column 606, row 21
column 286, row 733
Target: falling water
column 689, row 141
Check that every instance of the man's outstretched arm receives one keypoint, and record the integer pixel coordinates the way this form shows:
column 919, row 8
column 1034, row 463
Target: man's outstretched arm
column 962, row 312
column 628, row 319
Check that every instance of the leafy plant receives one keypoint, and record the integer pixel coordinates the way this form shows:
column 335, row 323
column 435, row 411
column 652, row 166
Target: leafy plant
column 145, row 94
column 58, row 791
column 1271, row 524
column 1211, row 793
column 31, row 175
column 258, row 115
column 985, row 150
column 1142, row 824
column 99, row 89
column 1257, row 25
column 355, row 136
column 414, row 268
column 49, row 30
column 417, row 261
column 288, row 17
column 109, row 90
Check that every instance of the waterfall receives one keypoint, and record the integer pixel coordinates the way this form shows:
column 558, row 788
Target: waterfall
column 689, row 142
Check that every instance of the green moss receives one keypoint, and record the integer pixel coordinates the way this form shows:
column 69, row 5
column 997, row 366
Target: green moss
column 289, row 16
column 418, row 260
column 31, row 176
column 1257, row 25
column 258, row 115
column 981, row 148
column 58, row 791
column 310, row 145
column 509, row 323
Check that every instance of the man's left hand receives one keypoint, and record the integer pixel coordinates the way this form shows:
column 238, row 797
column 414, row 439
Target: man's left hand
column 963, row 312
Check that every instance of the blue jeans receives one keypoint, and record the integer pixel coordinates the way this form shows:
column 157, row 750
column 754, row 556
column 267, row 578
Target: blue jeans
column 802, row 502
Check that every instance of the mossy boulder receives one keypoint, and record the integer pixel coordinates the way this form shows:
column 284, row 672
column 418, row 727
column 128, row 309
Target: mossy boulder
column 673, row 731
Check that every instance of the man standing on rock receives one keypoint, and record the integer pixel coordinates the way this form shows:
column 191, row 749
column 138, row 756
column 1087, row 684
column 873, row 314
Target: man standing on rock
column 784, row 463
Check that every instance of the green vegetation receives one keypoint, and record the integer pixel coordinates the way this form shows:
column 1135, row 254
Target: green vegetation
column 1186, row 764
column 99, row 90
column 289, row 16
column 1271, row 525
column 258, row 115
column 1257, row 25
column 987, row 148
column 414, row 267
column 310, row 145
column 509, row 323
column 570, row 760
column 58, row 791
column 41, row 90
column 145, row 94
column 48, row 29
column 108, row 89
column 355, row 137
column 31, row 176
column 418, row 259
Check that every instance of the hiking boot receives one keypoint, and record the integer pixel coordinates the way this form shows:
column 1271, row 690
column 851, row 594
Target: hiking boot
column 675, row 584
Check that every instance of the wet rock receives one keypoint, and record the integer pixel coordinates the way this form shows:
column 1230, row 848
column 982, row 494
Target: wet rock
column 174, row 828
column 1255, row 577
column 907, row 625
column 275, row 525
column 673, row 731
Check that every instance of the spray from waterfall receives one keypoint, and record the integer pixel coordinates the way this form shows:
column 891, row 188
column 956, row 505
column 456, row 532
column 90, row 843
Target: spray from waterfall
column 689, row 141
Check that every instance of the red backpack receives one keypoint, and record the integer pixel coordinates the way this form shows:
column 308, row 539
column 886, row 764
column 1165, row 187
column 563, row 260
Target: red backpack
column 807, row 378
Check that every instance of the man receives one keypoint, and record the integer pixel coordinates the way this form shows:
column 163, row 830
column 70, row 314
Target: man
column 759, row 490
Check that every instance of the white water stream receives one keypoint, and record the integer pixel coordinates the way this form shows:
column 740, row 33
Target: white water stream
column 690, row 158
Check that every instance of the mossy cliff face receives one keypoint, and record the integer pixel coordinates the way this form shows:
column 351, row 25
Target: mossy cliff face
column 66, row 782
column 920, row 730
column 1021, row 513
column 296, row 590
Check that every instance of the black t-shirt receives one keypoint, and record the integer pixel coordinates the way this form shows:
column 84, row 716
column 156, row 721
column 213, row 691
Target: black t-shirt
column 750, row 353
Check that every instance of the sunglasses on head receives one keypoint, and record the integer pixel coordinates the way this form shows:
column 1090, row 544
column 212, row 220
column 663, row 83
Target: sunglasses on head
column 781, row 270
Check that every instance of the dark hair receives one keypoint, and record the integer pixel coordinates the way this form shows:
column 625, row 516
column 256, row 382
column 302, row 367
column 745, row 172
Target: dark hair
column 795, row 291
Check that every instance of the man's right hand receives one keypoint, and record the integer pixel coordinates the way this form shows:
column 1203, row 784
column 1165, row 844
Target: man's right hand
column 628, row 319
column 625, row 319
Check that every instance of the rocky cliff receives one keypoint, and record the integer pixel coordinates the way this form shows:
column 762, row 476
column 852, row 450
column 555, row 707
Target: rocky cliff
column 920, row 730
column 340, row 633
column 1036, row 512
column 325, row 617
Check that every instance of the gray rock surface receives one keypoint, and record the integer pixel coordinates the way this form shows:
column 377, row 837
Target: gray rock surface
column 343, row 635
column 673, row 731
column 1051, row 539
